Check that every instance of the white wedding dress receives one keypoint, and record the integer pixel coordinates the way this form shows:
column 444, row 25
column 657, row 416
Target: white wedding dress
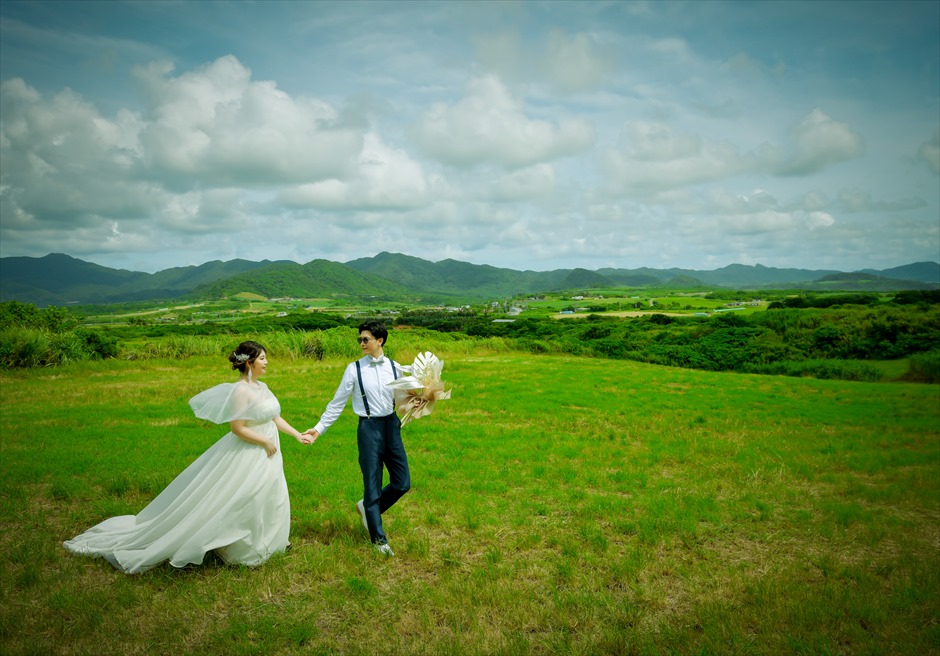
column 232, row 499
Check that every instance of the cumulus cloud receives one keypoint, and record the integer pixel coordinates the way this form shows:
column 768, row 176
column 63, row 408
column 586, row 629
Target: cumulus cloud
column 857, row 200
column 489, row 126
column 532, row 183
column 218, row 125
column 185, row 164
column 567, row 62
column 820, row 141
column 385, row 178
column 725, row 202
column 60, row 159
column 572, row 62
column 652, row 158
column 759, row 212
column 815, row 200
column 212, row 211
column 929, row 153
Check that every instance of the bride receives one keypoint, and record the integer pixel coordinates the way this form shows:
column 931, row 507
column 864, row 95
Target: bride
column 232, row 499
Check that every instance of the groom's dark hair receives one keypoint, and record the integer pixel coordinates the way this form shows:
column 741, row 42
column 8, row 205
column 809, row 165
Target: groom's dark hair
column 377, row 328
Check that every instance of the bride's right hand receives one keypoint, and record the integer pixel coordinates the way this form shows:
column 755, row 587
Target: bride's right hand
column 270, row 448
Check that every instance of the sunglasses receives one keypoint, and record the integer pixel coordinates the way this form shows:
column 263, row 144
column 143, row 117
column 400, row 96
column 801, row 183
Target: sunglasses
column 364, row 340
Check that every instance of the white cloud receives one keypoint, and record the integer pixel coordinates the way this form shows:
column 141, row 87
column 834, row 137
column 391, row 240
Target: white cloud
column 815, row 200
column 384, row 178
column 489, row 126
column 572, row 62
column 756, row 222
column 214, row 211
column 566, row 62
column 652, row 158
column 929, row 152
column 60, row 161
column 532, row 183
column 820, row 141
column 819, row 220
column 858, row 200
column 218, row 127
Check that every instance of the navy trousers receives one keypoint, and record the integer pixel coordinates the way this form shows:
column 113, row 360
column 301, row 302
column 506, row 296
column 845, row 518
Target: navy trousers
column 380, row 445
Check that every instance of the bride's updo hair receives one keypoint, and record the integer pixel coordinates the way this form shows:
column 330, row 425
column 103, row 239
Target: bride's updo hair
column 244, row 354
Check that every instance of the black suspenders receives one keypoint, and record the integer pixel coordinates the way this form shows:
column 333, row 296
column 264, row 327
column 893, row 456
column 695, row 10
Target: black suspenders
column 362, row 390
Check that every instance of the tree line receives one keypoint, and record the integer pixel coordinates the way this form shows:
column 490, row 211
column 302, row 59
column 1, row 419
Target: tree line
column 811, row 336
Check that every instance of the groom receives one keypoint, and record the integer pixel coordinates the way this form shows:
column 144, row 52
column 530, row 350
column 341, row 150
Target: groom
column 379, row 432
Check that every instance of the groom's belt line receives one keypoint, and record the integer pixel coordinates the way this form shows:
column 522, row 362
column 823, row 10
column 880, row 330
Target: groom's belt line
column 386, row 417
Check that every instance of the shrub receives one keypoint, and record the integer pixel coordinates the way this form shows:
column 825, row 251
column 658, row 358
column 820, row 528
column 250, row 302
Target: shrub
column 98, row 344
column 925, row 367
column 835, row 369
column 36, row 347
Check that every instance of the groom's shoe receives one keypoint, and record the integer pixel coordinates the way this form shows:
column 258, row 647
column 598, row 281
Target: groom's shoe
column 383, row 549
column 362, row 513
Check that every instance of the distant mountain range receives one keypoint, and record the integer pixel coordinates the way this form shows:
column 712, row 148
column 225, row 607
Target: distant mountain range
column 58, row 279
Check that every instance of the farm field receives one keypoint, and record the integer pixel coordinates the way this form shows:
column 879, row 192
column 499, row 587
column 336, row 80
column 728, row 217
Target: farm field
column 560, row 505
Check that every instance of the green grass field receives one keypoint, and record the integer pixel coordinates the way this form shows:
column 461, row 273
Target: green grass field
column 559, row 506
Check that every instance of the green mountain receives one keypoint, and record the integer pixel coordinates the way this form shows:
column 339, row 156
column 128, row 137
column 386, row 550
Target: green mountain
column 315, row 279
column 58, row 279
column 740, row 275
column 186, row 278
column 475, row 280
column 860, row 281
column 636, row 278
column 448, row 276
column 584, row 279
column 686, row 282
column 919, row 271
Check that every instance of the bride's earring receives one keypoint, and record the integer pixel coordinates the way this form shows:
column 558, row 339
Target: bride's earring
column 248, row 368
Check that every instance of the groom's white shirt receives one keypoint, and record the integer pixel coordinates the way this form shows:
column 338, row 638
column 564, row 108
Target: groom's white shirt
column 376, row 372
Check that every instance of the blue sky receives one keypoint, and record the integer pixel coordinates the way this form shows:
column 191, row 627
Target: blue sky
column 527, row 135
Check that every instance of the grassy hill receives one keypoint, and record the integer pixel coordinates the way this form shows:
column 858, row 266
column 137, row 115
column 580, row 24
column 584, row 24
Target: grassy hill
column 863, row 281
column 454, row 277
column 699, row 513
column 317, row 278
column 920, row 271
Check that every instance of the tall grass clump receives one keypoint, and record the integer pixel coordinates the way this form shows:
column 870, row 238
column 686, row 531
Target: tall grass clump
column 23, row 347
column 925, row 367
column 333, row 343
column 405, row 344
column 178, row 346
column 30, row 337
column 292, row 344
column 823, row 369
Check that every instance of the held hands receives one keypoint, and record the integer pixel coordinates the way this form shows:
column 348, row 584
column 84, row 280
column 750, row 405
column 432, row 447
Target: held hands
column 309, row 436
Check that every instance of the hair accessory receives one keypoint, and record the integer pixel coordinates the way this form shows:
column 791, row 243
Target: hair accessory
column 242, row 357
